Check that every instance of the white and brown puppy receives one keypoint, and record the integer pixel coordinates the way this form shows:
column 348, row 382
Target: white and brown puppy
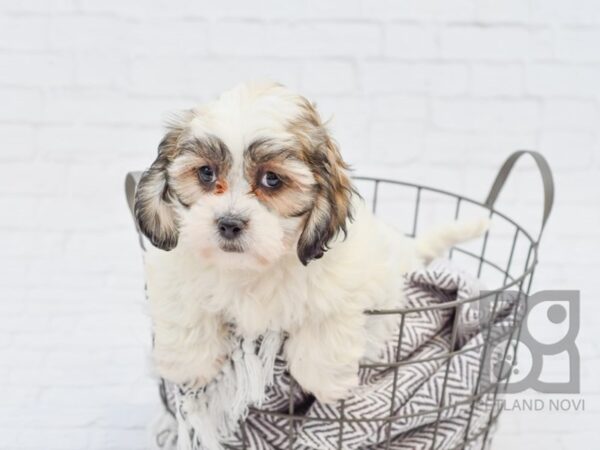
column 255, row 223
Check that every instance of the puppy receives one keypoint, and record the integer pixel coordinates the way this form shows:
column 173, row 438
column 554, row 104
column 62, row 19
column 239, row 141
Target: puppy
column 255, row 224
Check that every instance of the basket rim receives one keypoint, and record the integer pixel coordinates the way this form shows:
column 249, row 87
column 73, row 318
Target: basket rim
column 529, row 266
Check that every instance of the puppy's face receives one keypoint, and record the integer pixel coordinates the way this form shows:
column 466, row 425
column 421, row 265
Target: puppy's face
column 245, row 180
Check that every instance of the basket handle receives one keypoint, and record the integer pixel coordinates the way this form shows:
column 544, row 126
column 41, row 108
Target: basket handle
column 547, row 181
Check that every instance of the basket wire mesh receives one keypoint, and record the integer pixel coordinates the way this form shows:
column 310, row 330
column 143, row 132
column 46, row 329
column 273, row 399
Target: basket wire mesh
column 512, row 272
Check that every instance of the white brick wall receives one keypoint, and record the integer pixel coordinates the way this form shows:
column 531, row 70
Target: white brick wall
column 432, row 91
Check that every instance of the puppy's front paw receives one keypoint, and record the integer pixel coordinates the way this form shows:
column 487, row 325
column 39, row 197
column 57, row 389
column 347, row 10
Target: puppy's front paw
column 195, row 373
column 208, row 374
column 335, row 389
column 327, row 387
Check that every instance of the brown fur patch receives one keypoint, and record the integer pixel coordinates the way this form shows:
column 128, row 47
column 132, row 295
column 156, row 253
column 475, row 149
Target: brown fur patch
column 295, row 193
column 173, row 177
column 154, row 204
column 193, row 154
column 332, row 204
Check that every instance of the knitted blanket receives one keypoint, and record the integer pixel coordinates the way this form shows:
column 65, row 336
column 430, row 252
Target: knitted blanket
column 442, row 390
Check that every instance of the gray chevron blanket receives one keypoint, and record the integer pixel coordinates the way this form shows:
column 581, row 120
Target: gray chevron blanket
column 440, row 392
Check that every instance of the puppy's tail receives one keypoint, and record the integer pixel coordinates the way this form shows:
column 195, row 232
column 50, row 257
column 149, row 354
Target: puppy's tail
column 433, row 243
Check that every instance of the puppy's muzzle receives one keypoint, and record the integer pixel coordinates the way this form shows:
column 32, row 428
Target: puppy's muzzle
column 231, row 227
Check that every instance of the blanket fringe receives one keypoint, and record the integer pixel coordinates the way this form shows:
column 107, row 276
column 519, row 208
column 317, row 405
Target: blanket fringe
column 218, row 408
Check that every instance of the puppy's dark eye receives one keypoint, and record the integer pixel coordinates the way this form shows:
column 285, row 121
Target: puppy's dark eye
column 270, row 180
column 206, row 174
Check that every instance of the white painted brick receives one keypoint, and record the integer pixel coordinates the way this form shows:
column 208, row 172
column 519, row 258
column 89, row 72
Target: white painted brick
column 119, row 440
column 570, row 115
column 36, row 69
column 562, row 80
column 130, row 416
column 39, row 6
column 578, row 45
column 559, row 147
column 32, row 244
column 68, row 439
column 23, row 357
column 17, row 301
column 398, row 107
column 426, row 10
column 101, row 68
column 16, row 33
column 84, row 178
column 8, row 437
column 385, row 136
column 505, row 11
column 347, row 122
column 159, row 36
column 461, row 10
column 446, row 147
column 99, row 396
column 57, row 144
column 238, row 38
column 326, row 39
column 571, row 190
column 185, row 77
column 417, row 78
column 341, row 108
column 579, row 251
column 466, row 115
column 577, row 12
column 315, row 39
column 27, row 178
column 82, row 32
column 328, row 77
column 231, row 74
column 14, row 274
column 163, row 75
column 494, row 43
column 62, row 300
column 580, row 440
column 20, row 105
column 64, row 106
column 47, row 418
column 490, row 80
column 18, row 142
column 137, row 9
column 542, row 44
column 261, row 10
column 411, row 42
column 316, row 9
column 446, row 79
column 6, row 343
column 276, row 10
column 87, row 244
column 78, row 213
column 82, row 357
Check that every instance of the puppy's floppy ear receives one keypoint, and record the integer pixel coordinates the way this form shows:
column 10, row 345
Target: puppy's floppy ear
column 332, row 206
column 155, row 201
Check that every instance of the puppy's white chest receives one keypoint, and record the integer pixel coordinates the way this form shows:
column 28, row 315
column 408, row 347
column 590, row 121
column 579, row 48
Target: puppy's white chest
column 277, row 302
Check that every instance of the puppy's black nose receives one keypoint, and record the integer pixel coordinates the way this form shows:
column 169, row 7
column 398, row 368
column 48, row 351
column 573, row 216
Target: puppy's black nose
column 230, row 227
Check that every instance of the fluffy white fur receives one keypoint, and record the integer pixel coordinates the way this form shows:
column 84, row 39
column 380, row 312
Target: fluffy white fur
column 199, row 293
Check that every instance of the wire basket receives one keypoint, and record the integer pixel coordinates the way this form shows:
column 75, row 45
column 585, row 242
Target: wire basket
column 505, row 257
